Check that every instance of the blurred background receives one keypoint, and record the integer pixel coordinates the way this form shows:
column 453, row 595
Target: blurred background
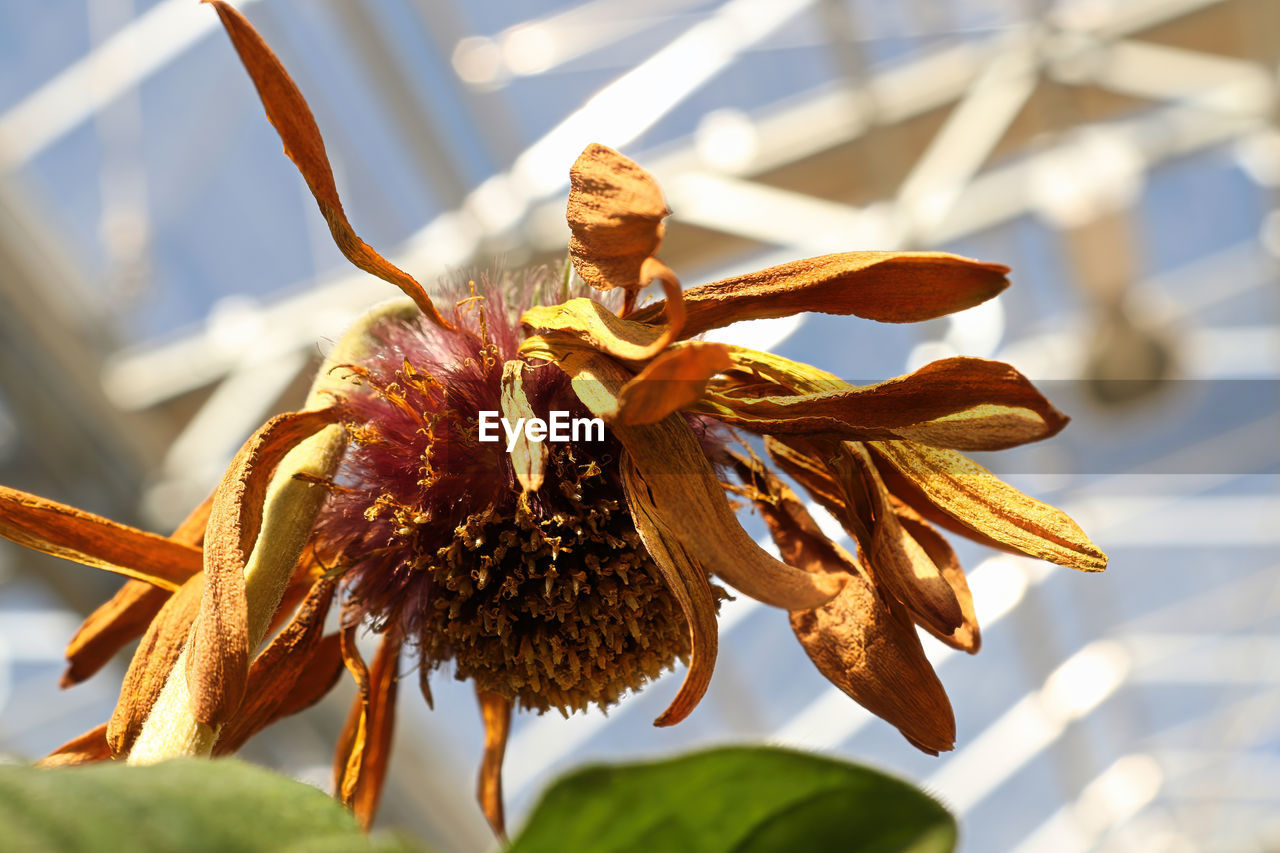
column 166, row 283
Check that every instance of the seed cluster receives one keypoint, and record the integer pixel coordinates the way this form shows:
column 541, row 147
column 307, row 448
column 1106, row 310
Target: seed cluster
column 558, row 611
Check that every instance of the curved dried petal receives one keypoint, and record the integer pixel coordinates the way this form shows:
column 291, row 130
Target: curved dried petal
column 672, row 381
column 975, row 497
column 351, row 740
column 364, row 748
column 218, row 662
column 110, row 627
column 899, row 563
column 277, row 668
column 317, row 679
column 151, row 664
column 528, row 457
column 798, row 537
column 843, row 479
column 688, row 582
column 64, row 531
column 687, row 496
column 961, row 403
column 127, row 613
column 892, row 287
column 592, row 326
column 288, row 112
column 89, row 748
column 495, row 710
column 811, row 470
column 967, row 637
column 867, row 646
column 615, row 213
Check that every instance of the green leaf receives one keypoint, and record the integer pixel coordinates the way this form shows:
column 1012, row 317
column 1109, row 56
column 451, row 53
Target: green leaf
column 188, row 805
column 736, row 800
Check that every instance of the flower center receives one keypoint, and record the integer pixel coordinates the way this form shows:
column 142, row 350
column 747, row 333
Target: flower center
column 547, row 597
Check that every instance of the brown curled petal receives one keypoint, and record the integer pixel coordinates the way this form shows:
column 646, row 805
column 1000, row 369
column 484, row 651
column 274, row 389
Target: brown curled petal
column 89, row 748
column 288, row 112
column 898, row 563
column 127, row 613
column 151, row 664
column 905, row 490
column 528, row 457
column 798, row 537
column 218, row 663
column 424, row 677
column 673, row 306
column 672, row 381
column 615, row 214
column 592, row 326
column 811, row 470
column 892, row 287
column 277, row 669
column 867, row 646
column 110, row 627
column 64, row 531
column 688, row 582
column 385, row 676
column 961, row 403
column 967, row 637
column 351, row 741
column 976, row 498
column 364, row 748
column 495, row 710
column 687, row 495
column 319, row 677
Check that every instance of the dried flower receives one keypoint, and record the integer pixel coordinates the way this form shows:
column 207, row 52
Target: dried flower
column 559, row 575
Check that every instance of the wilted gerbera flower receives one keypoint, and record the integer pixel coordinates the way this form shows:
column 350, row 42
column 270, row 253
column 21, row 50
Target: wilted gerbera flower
column 561, row 574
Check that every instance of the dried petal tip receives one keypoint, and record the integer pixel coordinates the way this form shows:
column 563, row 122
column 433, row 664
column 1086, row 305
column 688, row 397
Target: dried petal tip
column 615, row 213
column 496, row 712
column 288, row 112
column 866, row 645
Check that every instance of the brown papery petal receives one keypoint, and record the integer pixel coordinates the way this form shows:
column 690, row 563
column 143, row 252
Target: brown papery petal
column 151, row 664
column 892, row 287
column 672, row 381
column 898, row 563
column 110, row 627
column 88, row 748
column 974, row 496
column 615, row 215
column 962, row 403
column 218, row 663
column 528, row 457
column 848, row 486
column 364, row 749
column 594, row 327
column 798, row 537
column 810, row 470
column 288, row 112
column 866, row 646
column 856, row 656
column 495, row 710
column 315, row 681
column 688, row 582
column 126, row 614
column 351, row 740
column 277, row 668
column 967, row 637
column 687, row 496
column 64, row 531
